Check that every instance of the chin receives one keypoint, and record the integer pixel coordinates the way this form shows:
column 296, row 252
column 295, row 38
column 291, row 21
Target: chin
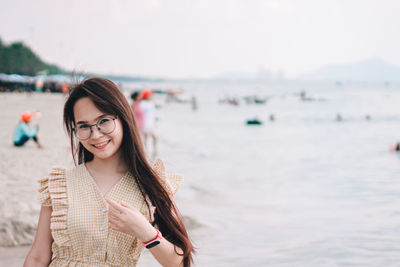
column 102, row 154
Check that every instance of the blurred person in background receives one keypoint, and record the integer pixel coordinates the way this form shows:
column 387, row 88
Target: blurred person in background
column 137, row 110
column 64, row 88
column 148, row 130
column 39, row 83
column 23, row 132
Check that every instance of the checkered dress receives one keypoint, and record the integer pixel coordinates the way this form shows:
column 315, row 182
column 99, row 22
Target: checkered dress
column 79, row 221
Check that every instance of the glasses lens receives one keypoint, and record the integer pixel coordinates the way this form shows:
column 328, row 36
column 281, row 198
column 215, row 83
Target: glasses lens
column 106, row 125
column 83, row 132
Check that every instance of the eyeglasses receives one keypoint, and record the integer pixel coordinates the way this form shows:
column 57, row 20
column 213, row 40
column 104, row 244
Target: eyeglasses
column 104, row 125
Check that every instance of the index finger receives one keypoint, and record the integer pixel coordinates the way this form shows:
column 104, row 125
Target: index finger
column 115, row 205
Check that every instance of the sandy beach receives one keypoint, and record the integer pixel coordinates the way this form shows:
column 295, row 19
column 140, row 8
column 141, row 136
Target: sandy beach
column 21, row 167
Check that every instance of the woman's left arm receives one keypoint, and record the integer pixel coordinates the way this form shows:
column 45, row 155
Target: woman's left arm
column 126, row 219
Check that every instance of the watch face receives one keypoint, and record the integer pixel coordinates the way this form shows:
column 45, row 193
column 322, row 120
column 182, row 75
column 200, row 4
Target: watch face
column 153, row 244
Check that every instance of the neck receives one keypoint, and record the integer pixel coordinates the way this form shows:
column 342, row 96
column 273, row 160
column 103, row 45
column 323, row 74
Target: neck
column 114, row 164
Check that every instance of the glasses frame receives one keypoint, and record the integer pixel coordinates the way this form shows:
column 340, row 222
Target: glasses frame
column 98, row 128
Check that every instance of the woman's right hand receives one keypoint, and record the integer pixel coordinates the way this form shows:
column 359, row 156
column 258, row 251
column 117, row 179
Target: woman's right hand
column 127, row 219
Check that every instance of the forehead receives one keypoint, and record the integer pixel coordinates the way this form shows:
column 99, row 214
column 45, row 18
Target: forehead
column 86, row 110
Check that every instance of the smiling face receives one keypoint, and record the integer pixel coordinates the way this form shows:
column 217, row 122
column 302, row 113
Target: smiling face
column 102, row 146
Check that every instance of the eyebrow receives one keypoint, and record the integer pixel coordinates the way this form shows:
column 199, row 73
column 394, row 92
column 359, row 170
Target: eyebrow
column 96, row 119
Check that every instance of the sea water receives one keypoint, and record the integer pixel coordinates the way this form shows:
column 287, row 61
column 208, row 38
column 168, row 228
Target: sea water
column 302, row 190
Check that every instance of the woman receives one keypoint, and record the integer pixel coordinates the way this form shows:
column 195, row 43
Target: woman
column 103, row 211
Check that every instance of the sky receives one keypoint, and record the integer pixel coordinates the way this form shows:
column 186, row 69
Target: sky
column 203, row 38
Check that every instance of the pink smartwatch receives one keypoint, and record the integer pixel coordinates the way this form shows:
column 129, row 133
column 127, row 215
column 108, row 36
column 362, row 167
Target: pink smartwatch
column 154, row 242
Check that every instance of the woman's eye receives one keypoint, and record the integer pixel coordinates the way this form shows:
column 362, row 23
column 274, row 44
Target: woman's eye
column 102, row 121
column 83, row 126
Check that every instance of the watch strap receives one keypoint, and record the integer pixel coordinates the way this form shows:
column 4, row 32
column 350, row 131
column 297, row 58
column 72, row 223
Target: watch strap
column 154, row 242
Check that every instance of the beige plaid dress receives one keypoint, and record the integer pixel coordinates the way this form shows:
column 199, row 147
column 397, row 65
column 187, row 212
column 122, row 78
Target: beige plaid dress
column 79, row 220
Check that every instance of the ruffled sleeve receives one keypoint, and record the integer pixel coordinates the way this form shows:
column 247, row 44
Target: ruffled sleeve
column 170, row 182
column 53, row 192
column 59, row 199
column 44, row 196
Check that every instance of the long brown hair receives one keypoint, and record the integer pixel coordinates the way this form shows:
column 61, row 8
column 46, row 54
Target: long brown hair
column 108, row 98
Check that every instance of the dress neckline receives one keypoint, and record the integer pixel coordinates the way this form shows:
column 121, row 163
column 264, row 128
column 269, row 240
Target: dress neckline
column 97, row 186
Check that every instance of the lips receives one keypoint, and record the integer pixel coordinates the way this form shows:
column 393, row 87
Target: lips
column 102, row 144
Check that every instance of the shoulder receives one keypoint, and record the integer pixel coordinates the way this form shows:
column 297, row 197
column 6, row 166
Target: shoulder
column 78, row 169
column 60, row 173
column 56, row 172
column 50, row 184
column 23, row 125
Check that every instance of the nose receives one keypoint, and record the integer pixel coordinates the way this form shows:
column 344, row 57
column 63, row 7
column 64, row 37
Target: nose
column 95, row 132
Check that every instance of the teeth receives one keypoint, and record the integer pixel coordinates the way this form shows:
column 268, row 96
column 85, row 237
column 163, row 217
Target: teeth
column 101, row 144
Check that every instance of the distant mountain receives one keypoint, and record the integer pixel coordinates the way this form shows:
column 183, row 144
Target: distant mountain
column 373, row 69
